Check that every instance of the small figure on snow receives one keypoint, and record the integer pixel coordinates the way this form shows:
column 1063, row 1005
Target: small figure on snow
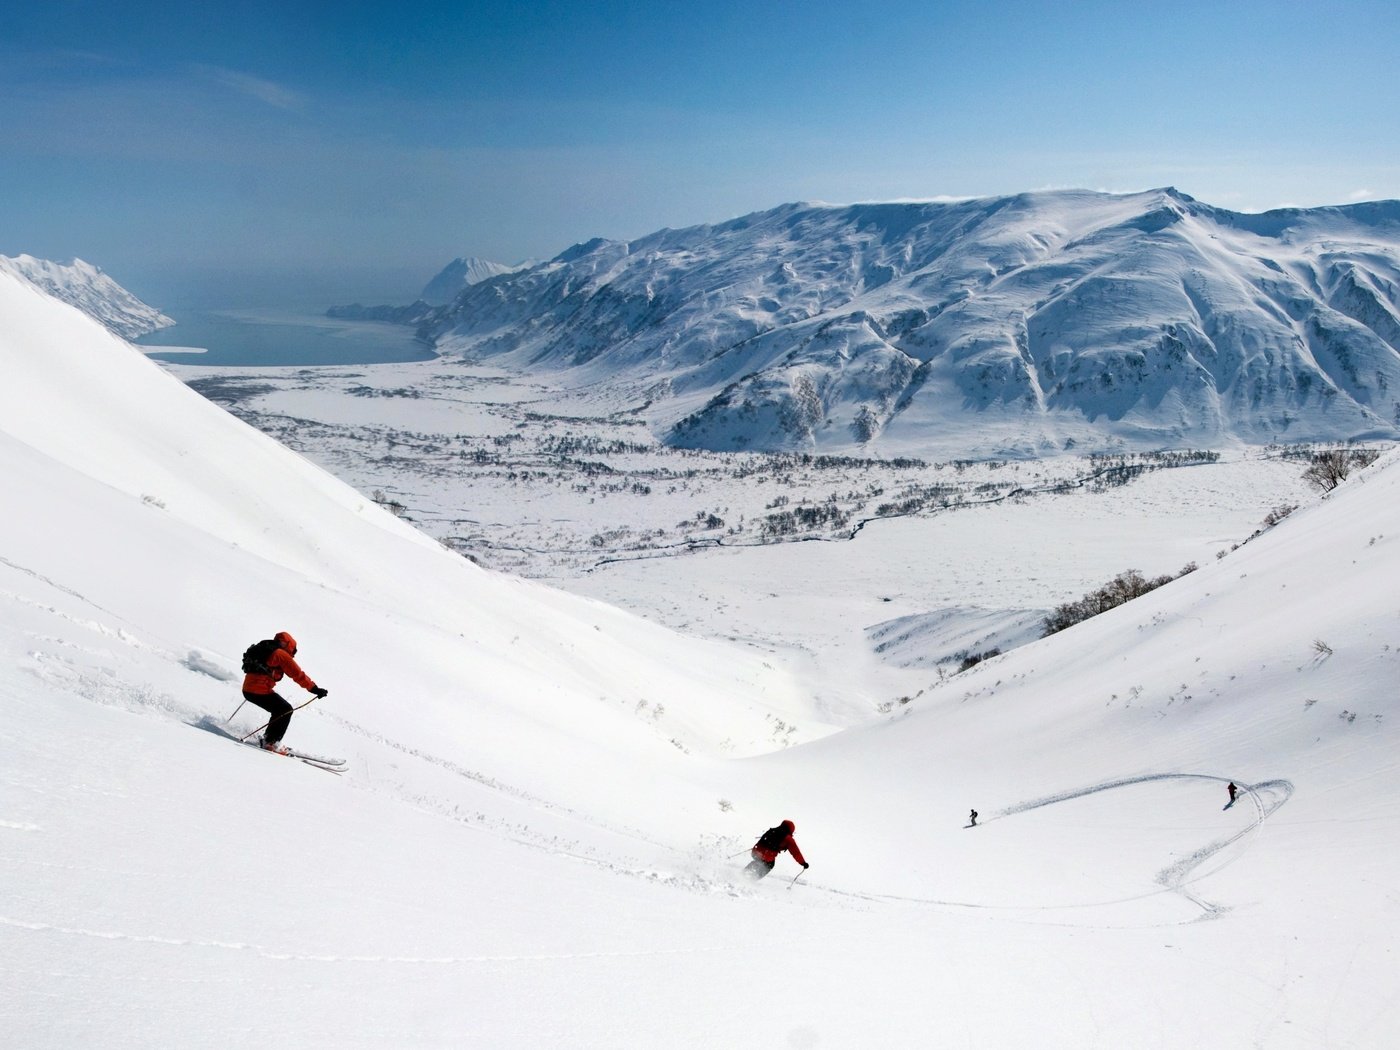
column 265, row 663
column 772, row 842
column 972, row 821
column 1230, row 787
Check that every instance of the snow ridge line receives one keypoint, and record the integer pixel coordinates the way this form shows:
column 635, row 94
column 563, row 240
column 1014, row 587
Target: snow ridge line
column 267, row 953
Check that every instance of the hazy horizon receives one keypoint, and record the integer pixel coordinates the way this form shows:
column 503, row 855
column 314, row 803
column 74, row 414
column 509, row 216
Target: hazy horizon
column 353, row 152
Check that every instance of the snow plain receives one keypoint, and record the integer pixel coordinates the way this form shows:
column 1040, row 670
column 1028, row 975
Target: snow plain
column 534, row 843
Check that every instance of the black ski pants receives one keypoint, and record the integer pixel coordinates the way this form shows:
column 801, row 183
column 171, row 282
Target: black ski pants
column 758, row 867
column 279, row 709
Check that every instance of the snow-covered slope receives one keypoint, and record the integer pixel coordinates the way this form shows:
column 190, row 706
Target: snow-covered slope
column 89, row 289
column 1018, row 324
column 460, row 273
column 215, row 502
column 537, row 839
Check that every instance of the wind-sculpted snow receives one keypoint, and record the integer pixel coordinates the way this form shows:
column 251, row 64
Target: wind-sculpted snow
column 1018, row 324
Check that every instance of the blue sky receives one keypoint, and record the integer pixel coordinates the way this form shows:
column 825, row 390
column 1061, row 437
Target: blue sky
column 358, row 147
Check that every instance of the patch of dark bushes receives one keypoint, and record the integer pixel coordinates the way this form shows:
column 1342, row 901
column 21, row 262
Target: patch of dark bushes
column 968, row 659
column 1118, row 591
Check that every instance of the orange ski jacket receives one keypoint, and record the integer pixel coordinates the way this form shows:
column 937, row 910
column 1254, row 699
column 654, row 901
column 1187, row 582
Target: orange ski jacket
column 279, row 663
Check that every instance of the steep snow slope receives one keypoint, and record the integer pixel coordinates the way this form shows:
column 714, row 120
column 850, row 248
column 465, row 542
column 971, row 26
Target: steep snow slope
column 1019, row 324
column 89, row 289
column 90, row 404
column 518, row 859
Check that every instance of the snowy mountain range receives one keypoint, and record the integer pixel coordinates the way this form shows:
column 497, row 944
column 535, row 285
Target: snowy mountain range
column 1018, row 324
column 548, row 800
column 85, row 286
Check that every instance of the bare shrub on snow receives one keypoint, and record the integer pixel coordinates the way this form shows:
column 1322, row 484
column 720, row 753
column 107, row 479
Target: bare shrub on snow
column 1330, row 469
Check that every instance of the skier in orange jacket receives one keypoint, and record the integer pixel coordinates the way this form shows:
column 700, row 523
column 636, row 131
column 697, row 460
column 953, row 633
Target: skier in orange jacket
column 772, row 842
column 259, row 689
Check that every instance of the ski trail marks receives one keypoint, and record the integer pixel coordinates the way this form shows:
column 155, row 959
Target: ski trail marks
column 265, row 952
column 1266, row 796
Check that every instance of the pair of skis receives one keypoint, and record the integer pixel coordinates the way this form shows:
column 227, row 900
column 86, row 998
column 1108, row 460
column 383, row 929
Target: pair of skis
column 330, row 765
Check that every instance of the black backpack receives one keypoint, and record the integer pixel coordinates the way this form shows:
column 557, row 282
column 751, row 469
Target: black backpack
column 773, row 838
column 255, row 657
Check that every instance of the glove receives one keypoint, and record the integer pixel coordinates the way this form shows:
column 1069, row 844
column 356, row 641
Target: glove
column 805, row 865
column 318, row 692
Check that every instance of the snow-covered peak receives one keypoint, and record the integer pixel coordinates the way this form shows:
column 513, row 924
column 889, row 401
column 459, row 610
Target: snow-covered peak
column 1015, row 324
column 85, row 286
column 461, row 273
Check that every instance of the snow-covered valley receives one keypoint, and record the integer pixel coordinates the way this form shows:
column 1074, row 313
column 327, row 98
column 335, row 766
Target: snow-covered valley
column 874, row 573
column 549, row 798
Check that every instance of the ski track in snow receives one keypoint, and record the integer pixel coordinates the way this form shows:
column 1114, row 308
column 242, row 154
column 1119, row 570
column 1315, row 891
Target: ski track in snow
column 1175, row 878
column 1266, row 796
column 487, row 782
column 194, row 660
column 51, row 583
column 268, row 953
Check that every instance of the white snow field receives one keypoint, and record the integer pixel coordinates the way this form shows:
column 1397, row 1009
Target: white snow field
column 534, row 843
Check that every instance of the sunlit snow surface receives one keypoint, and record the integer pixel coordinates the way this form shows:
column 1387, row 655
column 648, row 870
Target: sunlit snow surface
column 534, row 843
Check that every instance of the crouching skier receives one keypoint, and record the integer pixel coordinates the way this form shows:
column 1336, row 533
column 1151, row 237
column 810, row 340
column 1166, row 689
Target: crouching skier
column 772, row 842
column 264, row 664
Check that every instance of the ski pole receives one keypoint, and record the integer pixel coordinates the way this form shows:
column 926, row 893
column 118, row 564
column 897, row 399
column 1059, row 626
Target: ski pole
column 739, row 854
column 796, row 877
column 235, row 711
column 269, row 721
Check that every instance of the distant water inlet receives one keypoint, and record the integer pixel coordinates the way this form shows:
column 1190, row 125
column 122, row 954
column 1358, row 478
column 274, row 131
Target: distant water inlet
column 253, row 338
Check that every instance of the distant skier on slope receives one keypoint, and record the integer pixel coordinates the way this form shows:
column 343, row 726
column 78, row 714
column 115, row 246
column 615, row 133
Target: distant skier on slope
column 265, row 663
column 772, row 842
column 1231, row 789
column 972, row 819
